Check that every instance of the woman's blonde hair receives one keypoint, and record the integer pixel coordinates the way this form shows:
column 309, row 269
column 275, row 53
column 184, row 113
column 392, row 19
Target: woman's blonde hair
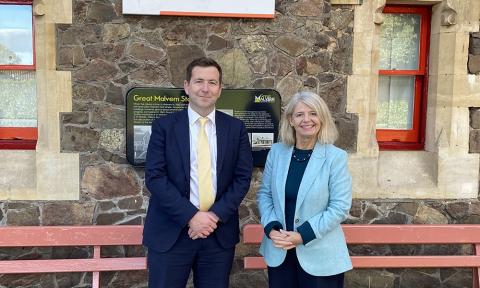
column 328, row 131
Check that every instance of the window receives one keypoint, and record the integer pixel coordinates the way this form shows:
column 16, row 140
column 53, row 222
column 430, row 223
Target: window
column 402, row 83
column 18, row 101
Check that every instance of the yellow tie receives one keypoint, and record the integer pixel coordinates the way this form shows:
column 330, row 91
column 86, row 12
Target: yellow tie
column 204, row 168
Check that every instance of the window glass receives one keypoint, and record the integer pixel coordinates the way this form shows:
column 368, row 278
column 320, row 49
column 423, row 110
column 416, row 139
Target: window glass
column 18, row 90
column 395, row 102
column 16, row 35
column 400, row 42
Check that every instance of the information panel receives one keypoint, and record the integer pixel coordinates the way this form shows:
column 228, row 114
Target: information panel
column 259, row 109
column 210, row 8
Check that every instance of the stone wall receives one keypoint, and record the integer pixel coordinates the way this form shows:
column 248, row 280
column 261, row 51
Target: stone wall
column 307, row 46
column 362, row 212
column 474, row 53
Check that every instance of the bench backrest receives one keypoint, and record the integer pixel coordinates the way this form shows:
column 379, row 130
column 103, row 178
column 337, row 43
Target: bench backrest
column 395, row 234
column 61, row 236
column 392, row 234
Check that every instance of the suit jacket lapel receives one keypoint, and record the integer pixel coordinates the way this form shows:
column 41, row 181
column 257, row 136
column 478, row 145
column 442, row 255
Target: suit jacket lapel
column 284, row 159
column 182, row 133
column 222, row 128
column 311, row 173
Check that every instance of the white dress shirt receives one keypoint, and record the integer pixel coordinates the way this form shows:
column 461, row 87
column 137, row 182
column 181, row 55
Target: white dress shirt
column 194, row 125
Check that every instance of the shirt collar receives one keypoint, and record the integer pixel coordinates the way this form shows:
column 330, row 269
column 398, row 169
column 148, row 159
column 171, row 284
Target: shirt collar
column 193, row 116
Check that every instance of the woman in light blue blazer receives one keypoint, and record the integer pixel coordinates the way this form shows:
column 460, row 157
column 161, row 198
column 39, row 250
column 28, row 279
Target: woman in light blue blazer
column 306, row 192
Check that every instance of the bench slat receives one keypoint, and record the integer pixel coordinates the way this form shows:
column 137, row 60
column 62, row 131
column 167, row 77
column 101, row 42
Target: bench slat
column 54, row 236
column 416, row 261
column 257, row 262
column 392, row 234
column 396, row 234
column 254, row 262
column 72, row 265
column 412, row 234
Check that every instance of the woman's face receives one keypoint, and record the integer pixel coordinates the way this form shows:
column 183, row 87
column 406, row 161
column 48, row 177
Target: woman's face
column 305, row 121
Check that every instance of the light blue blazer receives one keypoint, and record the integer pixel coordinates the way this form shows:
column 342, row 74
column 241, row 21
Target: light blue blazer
column 324, row 199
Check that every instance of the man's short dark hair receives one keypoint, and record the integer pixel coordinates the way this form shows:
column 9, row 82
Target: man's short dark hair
column 203, row 62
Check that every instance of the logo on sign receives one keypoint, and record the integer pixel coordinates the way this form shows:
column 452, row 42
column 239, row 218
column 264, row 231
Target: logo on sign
column 264, row 99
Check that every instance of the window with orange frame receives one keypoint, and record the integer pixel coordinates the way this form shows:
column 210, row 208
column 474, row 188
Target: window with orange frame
column 403, row 76
column 18, row 100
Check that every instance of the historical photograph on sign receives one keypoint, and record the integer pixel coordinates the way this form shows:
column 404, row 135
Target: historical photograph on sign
column 262, row 141
column 141, row 139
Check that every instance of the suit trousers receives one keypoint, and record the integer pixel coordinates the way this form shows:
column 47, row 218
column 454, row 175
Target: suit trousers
column 211, row 263
column 291, row 275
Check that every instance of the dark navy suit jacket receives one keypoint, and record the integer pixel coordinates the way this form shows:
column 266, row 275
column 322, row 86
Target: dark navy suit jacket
column 167, row 176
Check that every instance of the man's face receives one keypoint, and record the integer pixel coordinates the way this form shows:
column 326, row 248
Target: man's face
column 203, row 88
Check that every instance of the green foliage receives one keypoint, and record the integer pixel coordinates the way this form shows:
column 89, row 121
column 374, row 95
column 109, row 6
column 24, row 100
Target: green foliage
column 399, row 42
column 18, row 103
column 399, row 47
column 393, row 115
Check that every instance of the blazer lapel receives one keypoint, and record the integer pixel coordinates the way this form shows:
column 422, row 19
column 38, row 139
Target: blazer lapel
column 222, row 128
column 311, row 173
column 182, row 130
column 284, row 159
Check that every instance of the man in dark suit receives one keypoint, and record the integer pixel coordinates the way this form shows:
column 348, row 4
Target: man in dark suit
column 198, row 170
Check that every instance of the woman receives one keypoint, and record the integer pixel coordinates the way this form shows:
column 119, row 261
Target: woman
column 306, row 193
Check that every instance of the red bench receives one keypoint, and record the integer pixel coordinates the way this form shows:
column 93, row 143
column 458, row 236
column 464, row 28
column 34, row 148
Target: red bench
column 61, row 236
column 396, row 234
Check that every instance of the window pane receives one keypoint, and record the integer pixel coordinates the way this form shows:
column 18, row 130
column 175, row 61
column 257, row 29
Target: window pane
column 395, row 102
column 400, row 42
column 16, row 40
column 18, row 101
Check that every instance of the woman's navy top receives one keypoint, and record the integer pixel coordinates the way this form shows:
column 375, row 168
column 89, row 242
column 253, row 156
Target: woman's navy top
column 298, row 164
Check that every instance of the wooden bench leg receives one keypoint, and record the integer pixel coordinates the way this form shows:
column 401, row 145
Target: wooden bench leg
column 96, row 275
column 96, row 280
column 476, row 274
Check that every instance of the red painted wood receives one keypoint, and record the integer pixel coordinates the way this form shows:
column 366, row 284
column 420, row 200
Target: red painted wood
column 254, row 262
column 95, row 236
column 415, row 261
column 38, row 236
column 18, row 67
column 252, row 234
column 392, row 234
column 72, row 265
column 18, row 138
column 23, row 133
column 96, row 275
column 402, row 72
column 476, row 271
column 389, row 145
column 396, row 234
column 412, row 234
column 363, row 262
column 19, row 2
column 18, row 144
column 96, row 252
column 96, row 280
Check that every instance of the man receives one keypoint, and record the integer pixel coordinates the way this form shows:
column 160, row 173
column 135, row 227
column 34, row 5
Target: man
column 198, row 170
